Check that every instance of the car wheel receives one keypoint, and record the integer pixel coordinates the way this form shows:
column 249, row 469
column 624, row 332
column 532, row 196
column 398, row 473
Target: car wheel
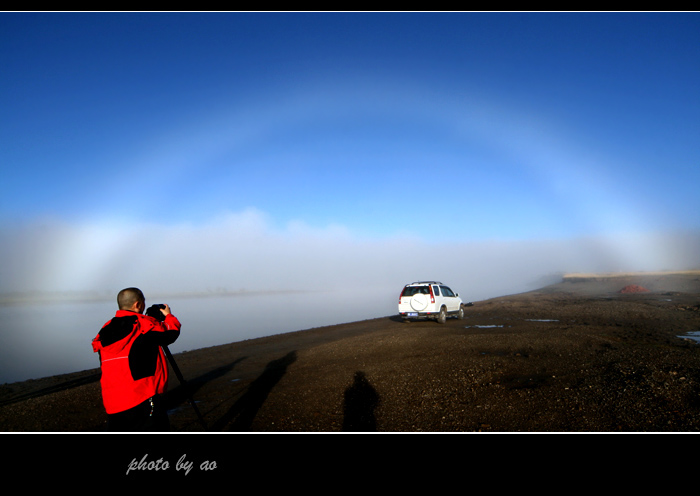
column 442, row 317
column 460, row 314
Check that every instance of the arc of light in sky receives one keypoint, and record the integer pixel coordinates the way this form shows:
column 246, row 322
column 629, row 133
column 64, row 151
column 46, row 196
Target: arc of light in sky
column 576, row 178
column 528, row 138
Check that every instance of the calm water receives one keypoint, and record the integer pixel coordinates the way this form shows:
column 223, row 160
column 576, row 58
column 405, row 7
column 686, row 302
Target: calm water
column 40, row 340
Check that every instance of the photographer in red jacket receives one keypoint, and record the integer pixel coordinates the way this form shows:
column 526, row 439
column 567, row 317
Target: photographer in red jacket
column 134, row 367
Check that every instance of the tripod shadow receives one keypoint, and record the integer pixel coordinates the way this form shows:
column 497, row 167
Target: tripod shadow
column 240, row 416
column 181, row 394
column 361, row 399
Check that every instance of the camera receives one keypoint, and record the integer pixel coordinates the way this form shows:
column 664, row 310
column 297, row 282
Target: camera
column 154, row 311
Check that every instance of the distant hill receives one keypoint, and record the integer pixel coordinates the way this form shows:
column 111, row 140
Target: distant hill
column 656, row 282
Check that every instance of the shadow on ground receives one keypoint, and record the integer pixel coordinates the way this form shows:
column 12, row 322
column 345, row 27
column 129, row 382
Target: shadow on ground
column 361, row 400
column 85, row 377
column 240, row 416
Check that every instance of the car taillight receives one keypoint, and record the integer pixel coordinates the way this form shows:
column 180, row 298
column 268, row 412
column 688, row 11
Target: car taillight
column 432, row 297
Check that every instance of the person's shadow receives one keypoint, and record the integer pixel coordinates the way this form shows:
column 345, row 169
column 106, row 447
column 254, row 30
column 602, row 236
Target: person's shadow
column 240, row 416
column 361, row 400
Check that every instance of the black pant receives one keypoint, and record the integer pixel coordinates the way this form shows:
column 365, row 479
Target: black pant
column 149, row 416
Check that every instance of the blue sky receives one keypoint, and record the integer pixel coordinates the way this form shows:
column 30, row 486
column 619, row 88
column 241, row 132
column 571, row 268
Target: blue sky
column 264, row 141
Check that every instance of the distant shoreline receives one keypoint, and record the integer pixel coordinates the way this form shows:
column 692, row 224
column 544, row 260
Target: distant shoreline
column 583, row 276
column 601, row 275
column 33, row 297
column 36, row 296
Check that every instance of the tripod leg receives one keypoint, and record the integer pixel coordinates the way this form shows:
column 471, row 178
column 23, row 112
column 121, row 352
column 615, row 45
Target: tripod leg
column 184, row 384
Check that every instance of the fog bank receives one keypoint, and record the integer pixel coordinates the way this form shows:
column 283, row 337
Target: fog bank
column 244, row 251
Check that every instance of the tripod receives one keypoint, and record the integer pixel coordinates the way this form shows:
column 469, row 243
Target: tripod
column 184, row 384
column 154, row 311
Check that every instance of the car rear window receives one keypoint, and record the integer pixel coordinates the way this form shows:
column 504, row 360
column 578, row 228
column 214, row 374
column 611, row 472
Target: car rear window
column 412, row 290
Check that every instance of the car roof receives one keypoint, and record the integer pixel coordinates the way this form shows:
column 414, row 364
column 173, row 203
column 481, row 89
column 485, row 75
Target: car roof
column 418, row 283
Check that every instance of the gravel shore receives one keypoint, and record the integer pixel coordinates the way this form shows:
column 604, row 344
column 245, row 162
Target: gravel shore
column 578, row 356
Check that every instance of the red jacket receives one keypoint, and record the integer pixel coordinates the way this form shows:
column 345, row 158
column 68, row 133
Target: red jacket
column 133, row 364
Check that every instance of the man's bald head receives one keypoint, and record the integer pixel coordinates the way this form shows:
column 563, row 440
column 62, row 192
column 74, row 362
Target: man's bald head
column 127, row 298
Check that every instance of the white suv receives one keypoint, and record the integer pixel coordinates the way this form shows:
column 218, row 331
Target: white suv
column 430, row 300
